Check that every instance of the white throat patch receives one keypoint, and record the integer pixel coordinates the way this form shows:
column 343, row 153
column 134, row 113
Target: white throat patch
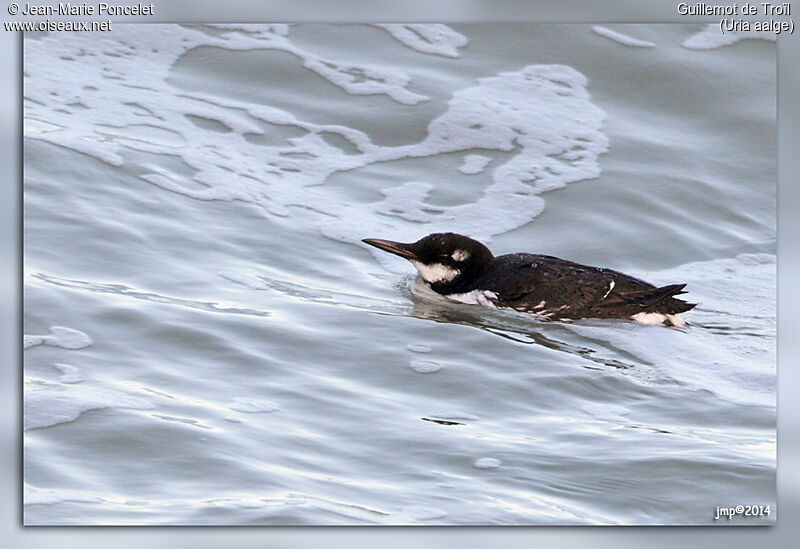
column 436, row 272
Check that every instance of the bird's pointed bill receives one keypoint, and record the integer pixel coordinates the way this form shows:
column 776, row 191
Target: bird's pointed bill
column 396, row 248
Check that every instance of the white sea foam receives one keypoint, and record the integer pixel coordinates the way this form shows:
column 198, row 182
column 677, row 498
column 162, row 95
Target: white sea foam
column 59, row 337
column 428, row 38
column 487, row 463
column 33, row 126
column 622, row 38
column 425, row 366
column 711, row 38
column 354, row 78
column 474, row 164
column 540, row 113
column 69, row 374
column 29, row 341
column 418, row 348
column 46, row 404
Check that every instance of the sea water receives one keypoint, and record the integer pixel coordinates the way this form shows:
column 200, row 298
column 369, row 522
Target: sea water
column 207, row 341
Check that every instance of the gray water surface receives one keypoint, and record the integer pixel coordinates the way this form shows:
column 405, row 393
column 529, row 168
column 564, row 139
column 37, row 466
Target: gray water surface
column 217, row 347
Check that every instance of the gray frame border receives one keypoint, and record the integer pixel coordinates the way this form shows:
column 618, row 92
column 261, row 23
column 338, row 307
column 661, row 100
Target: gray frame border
column 573, row 11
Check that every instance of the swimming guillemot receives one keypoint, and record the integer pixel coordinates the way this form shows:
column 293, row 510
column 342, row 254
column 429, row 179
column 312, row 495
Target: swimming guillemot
column 544, row 286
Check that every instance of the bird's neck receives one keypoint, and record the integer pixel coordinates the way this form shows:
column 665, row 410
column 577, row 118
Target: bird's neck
column 465, row 281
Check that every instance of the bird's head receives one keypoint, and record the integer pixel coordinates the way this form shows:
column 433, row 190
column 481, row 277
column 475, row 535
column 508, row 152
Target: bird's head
column 446, row 261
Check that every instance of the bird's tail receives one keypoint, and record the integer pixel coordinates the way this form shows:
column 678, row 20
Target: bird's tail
column 659, row 300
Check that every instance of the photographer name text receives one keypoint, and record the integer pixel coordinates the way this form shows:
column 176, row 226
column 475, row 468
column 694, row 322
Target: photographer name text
column 102, row 8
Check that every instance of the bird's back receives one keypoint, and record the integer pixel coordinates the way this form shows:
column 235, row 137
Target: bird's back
column 556, row 288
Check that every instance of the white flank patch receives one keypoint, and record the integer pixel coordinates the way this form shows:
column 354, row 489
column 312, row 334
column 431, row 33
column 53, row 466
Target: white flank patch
column 475, row 297
column 653, row 319
column 540, row 305
column 610, row 287
column 658, row 319
column 460, row 255
column 677, row 321
column 436, row 272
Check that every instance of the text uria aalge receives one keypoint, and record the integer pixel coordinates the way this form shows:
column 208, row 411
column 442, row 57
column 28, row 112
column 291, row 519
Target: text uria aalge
column 67, row 8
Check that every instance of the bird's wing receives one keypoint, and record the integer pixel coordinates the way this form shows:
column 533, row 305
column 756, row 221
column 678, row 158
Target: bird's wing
column 557, row 288
column 553, row 286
